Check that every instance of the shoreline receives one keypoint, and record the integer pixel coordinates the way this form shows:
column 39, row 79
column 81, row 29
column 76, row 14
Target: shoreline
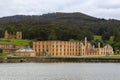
column 111, row 59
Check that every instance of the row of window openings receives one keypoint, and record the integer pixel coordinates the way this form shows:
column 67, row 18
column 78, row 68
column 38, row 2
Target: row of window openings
column 63, row 47
column 59, row 43
column 89, row 54
column 59, row 50
column 79, row 53
column 71, row 54
column 58, row 46
column 74, row 54
column 104, row 52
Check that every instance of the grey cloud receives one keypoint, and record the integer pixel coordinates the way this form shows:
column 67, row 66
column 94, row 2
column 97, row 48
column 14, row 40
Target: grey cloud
column 97, row 8
column 108, row 4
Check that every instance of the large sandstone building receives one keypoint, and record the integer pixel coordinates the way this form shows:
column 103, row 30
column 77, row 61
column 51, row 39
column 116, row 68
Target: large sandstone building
column 70, row 48
column 12, row 36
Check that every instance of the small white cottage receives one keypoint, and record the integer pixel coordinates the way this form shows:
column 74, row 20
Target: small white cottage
column 25, row 52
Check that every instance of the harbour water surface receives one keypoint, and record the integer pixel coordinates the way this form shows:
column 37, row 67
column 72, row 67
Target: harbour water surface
column 59, row 71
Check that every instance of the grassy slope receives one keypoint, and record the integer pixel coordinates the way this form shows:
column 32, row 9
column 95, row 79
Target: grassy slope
column 96, row 37
column 15, row 42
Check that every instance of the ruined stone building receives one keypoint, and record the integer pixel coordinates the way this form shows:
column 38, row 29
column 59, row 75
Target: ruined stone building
column 18, row 35
column 8, row 48
column 8, row 35
column 70, row 48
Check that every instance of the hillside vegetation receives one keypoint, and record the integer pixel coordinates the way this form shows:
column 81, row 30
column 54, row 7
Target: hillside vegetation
column 58, row 26
column 64, row 26
column 15, row 42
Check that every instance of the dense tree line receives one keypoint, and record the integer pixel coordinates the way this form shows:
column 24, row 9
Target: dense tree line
column 60, row 26
column 63, row 26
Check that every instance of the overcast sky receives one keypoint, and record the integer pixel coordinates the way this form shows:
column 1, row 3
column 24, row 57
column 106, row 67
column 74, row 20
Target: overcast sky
column 98, row 8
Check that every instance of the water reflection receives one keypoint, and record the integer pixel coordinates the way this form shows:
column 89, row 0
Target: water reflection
column 60, row 71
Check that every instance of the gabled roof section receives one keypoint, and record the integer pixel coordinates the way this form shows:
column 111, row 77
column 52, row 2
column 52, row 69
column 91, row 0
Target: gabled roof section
column 107, row 46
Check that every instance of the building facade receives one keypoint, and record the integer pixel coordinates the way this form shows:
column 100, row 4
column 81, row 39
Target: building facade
column 70, row 48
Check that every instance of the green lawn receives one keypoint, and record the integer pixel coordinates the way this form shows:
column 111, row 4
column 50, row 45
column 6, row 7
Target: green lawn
column 96, row 37
column 112, row 38
column 15, row 42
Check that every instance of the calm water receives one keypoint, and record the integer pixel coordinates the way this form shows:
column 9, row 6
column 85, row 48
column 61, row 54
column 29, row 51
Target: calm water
column 60, row 71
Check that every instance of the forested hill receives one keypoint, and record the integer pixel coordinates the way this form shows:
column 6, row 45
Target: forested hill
column 59, row 26
column 49, row 17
